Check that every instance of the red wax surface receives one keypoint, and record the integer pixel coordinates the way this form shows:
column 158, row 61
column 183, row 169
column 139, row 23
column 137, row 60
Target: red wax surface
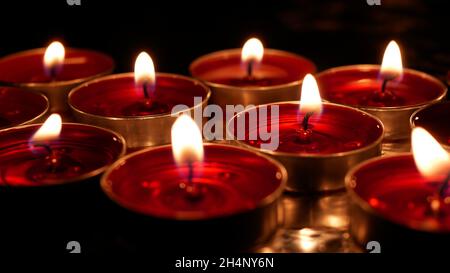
column 276, row 68
column 360, row 86
column 119, row 96
column 436, row 120
column 28, row 66
column 231, row 180
column 84, row 151
column 336, row 129
column 396, row 190
column 18, row 106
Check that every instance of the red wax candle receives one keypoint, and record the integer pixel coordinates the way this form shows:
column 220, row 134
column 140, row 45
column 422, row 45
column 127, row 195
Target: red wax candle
column 337, row 138
column 149, row 182
column 79, row 65
column 276, row 68
column 118, row 103
column 54, row 72
column 80, row 152
column 393, row 188
column 251, row 75
column 360, row 85
column 117, row 96
column 436, row 120
column 336, row 130
column 18, row 107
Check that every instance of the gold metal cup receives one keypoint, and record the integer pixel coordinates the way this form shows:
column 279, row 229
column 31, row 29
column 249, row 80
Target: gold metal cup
column 56, row 92
column 318, row 173
column 142, row 131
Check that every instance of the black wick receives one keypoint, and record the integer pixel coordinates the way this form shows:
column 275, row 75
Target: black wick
column 305, row 121
column 383, row 86
column 46, row 147
column 444, row 186
column 191, row 173
column 250, row 68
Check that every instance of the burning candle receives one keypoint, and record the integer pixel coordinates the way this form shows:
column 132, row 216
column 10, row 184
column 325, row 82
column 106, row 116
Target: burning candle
column 198, row 187
column 317, row 142
column 138, row 105
column 251, row 75
column 387, row 91
column 435, row 119
column 53, row 71
column 402, row 200
column 19, row 107
column 55, row 153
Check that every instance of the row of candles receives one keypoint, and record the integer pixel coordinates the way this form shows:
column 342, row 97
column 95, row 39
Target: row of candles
column 322, row 144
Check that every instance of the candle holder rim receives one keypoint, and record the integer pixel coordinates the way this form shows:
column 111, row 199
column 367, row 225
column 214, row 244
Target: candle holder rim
column 43, row 85
column 186, row 216
column 388, row 108
column 30, row 121
column 413, row 125
column 307, row 155
column 85, row 176
column 234, row 88
column 146, row 117
column 364, row 204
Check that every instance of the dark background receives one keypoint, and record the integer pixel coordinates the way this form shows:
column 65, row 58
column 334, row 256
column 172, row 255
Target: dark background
column 330, row 32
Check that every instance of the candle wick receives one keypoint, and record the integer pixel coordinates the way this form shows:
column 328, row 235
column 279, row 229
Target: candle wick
column 45, row 146
column 305, row 121
column 250, row 69
column 53, row 73
column 190, row 174
column 443, row 187
column 145, row 90
column 383, row 86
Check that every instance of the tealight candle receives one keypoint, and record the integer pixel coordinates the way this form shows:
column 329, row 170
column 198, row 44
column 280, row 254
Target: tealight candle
column 317, row 142
column 49, row 181
column 138, row 105
column 56, row 153
column 387, row 91
column 185, row 192
column 54, row 71
column 435, row 119
column 19, row 107
column 403, row 200
column 252, row 75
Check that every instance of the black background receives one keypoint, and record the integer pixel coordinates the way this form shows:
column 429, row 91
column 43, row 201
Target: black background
column 330, row 32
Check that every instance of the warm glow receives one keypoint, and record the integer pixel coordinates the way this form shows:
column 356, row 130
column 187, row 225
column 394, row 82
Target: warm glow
column 392, row 67
column 310, row 100
column 431, row 159
column 50, row 130
column 54, row 55
column 187, row 144
column 144, row 70
column 253, row 50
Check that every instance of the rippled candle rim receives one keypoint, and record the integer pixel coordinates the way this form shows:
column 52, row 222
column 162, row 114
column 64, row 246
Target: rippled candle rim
column 307, row 155
column 237, row 51
column 36, row 85
column 368, row 67
column 85, row 176
column 131, row 75
column 107, row 187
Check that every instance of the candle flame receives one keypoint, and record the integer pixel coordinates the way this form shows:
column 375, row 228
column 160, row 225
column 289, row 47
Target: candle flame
column 144, row 70
column 431, row 159
column 391, row 66
column 54, row 56
column 187, row 144
column 50, row 130
column 253, row 50
column 310, row 100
